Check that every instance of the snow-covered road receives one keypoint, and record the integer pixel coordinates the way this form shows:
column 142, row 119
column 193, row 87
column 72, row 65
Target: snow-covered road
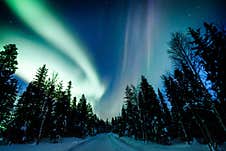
column 102, row 142
column 105, row 142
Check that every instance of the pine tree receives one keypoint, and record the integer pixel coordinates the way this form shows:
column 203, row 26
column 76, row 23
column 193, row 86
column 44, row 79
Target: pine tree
column 90, row 119
column 41, row 77
column 60, row 115
column 151, row 111
column 25, row 116
column 41, row 97
column 174, row 97
column 129, row 110
column 73, row 118
column 166, row 119
column 67, row 108
column 31, row 106
column 210, row 46
column 8, row 84
column 113, row 125
column 122, row 122
column 144, row 105
column 83, row 115
column 203, row 54
column 165, row 109
column 51, row 97
column 45, row 115
column 184, row 99
column 201, row 111
column 136, row 113
column 48, row 104
column 182, row 52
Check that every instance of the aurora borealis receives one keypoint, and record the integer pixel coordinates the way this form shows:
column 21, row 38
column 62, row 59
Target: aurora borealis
column 101, row 46
column 31, row 13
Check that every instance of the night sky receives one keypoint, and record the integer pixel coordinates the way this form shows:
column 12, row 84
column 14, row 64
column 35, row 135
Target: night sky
column 100, row 45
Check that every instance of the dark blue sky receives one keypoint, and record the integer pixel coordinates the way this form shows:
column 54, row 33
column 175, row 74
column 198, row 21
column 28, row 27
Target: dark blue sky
column 117, row 40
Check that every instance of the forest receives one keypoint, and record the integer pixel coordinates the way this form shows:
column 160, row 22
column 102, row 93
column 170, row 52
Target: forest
column 190, row 105
column 45, row 109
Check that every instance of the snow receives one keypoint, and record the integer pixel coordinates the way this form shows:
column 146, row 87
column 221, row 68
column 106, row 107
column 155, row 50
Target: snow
column 103, row 142
column 44, row 145
column 147, row 146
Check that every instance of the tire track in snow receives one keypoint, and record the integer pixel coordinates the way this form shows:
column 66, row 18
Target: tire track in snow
column 79, row 144
column 104, row 142
column 123, row 146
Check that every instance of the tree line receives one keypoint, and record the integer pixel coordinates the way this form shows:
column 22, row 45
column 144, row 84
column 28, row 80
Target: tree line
column 45, row 109
column 191, row 105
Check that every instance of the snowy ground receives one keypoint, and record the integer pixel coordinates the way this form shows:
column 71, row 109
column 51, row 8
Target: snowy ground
column 141, row 146
column 102, row 142
column 44, row 145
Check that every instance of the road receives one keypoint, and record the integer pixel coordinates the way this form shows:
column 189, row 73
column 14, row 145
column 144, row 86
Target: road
column 104, row 142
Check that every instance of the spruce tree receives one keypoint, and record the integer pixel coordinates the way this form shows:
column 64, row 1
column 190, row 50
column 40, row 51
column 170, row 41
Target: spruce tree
column 31, row 106
column 130, row 111
column 123, row 122
column 200, row 110
column 8, row 83
column 210, row 46
column 165, row 110
column 136, row 126
column 90, row 119
column 174, row 97
column 151, row 111
column 83, row 115
column 183, row 52
column 73, row 117
column 166, row 119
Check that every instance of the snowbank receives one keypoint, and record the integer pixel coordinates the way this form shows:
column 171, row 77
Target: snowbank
column 44, row 145
column 147, row 146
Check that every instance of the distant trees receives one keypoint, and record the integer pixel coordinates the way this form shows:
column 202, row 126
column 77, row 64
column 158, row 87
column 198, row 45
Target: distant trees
column 44, row 109
column 194, row 90
column 141, row 115
column 85, row 116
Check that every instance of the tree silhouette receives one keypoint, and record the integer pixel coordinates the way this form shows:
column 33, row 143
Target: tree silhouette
column 183, row 52
column 8, row 83
column 211, row 46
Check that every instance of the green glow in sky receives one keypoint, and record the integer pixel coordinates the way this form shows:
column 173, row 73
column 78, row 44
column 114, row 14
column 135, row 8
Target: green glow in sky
column 40, row 18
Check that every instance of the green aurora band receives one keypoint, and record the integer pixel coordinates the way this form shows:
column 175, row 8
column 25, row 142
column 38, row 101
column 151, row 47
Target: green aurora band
column 40, row 18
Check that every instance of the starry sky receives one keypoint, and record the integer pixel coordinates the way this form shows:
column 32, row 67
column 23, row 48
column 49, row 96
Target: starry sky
column 100, row 45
